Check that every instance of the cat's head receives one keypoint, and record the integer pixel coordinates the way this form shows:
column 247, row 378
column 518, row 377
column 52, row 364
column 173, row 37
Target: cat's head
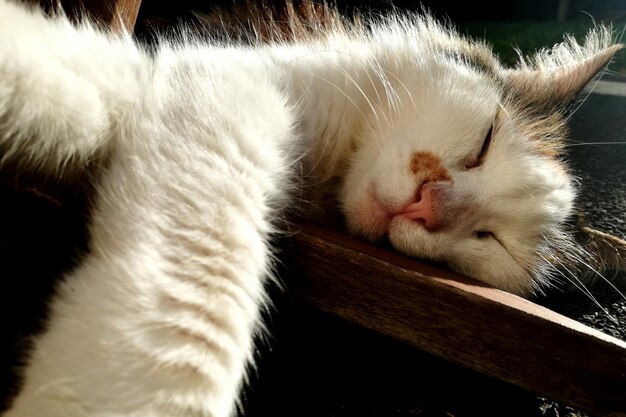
column 463, row 165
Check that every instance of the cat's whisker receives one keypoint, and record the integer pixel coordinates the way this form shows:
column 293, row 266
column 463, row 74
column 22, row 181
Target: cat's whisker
column 605, row 279
column 581, row 260
column 358, row 87
column 570, row 145
column 580, row 286
column 392, row 96
column 408, row 92
column 589, row 92
column 376, row 69
column 369, row 77
column 347, row 96
column 366, row 121
column 501, row 106
column 576, row 282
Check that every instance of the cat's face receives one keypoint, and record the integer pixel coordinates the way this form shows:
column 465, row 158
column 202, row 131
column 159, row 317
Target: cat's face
column 459, row 171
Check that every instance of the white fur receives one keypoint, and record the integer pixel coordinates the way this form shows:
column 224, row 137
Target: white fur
column 158, row 319
column 196, row 144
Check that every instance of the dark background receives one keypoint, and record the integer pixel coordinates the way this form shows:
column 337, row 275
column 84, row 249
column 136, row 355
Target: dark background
column 457, row 11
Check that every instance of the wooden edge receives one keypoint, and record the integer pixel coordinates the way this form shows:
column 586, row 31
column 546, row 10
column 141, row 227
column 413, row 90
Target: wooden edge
column 459, row 319
column 124, row 15
column 117, row 15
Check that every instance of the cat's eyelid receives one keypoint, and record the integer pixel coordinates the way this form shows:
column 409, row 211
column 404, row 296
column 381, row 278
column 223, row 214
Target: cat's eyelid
column 487, row 234
column 486, row 144
column 483, row 234
column 495, row 124
column 487, row 141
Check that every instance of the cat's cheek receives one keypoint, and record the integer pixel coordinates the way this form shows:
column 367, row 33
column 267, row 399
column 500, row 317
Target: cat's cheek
column 364, row 214
column 481, row 263
column 367, row 218
column 489, row 263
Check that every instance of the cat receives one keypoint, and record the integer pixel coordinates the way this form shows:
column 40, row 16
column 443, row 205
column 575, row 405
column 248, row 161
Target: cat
column 194, row 150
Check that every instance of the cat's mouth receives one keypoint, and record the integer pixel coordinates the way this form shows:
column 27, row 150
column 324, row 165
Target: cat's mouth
column 374, row 217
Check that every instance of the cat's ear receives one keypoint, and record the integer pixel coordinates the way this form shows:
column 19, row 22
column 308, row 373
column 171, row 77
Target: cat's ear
column 553, row 77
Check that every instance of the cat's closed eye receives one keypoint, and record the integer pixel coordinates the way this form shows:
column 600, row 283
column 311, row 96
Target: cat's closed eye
column 483, row 234
column 480, row 158
column 487, row 235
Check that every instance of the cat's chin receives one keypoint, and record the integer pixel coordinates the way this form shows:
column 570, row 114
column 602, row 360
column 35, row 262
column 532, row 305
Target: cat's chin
column 404, row 234
column 410, row 237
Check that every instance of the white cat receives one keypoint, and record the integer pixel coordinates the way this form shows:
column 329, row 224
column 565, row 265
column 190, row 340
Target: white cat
column 418, row 135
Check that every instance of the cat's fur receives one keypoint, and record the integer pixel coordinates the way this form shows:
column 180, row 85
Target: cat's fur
column 191, row 148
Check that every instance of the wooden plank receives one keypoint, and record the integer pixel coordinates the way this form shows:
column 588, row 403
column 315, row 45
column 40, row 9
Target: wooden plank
column 118, row 15
column 459, row 319
column 115, row 14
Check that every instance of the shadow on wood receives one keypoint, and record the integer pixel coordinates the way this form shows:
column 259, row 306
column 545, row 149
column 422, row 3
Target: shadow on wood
column 459, row 319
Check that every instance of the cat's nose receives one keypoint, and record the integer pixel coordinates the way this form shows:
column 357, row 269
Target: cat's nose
column 421, row 209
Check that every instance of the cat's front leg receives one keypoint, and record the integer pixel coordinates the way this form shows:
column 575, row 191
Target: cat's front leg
column 158, row 320
column 61, row 89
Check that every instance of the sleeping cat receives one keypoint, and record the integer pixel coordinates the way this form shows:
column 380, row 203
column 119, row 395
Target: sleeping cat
column 413, row 133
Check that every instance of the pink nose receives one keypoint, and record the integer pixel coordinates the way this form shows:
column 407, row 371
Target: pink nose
column 421, row 210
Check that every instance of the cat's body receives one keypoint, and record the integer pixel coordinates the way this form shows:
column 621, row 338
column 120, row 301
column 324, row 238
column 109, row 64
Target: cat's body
column 193, row 151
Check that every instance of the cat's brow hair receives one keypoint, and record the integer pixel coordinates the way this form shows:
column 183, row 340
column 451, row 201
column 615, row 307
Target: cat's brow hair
column 476, row 55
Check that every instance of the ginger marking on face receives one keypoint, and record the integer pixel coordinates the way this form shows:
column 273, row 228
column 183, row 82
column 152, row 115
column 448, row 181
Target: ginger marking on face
column 428, row 166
